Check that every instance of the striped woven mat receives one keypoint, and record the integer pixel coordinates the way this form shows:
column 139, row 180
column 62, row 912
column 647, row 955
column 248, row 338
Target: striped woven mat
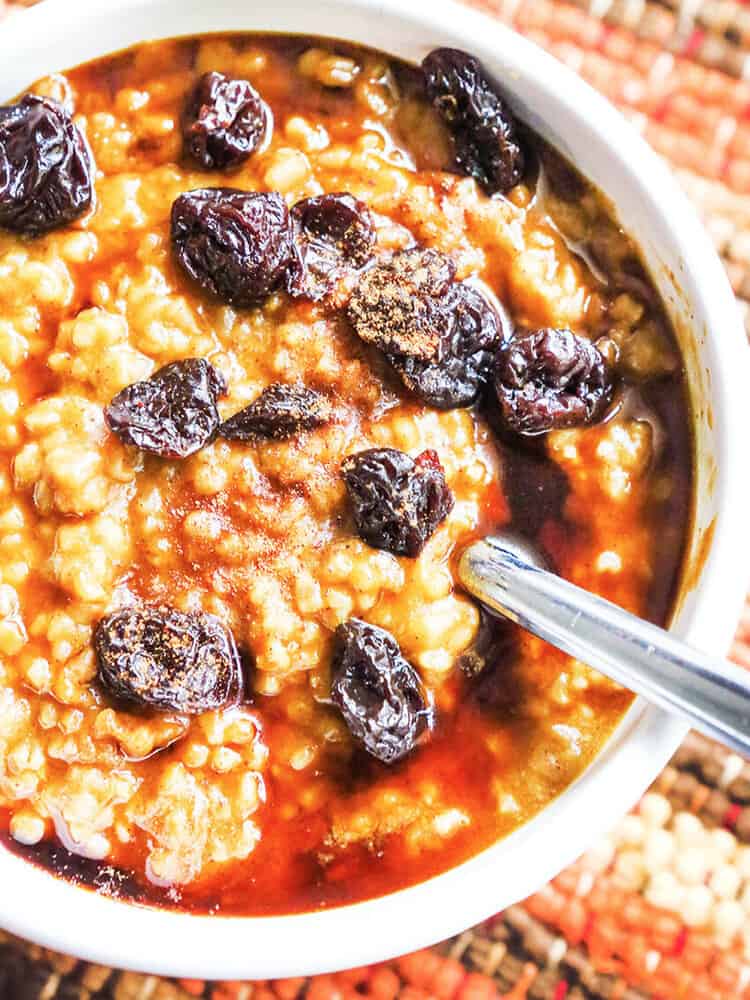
column 661, row 907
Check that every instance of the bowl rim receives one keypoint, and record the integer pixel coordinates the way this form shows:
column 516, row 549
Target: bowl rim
column 115, row 933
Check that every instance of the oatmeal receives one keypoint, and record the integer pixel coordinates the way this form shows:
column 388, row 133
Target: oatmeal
column 284, row 327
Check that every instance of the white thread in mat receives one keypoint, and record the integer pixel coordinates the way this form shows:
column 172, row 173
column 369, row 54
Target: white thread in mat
column 687, row 13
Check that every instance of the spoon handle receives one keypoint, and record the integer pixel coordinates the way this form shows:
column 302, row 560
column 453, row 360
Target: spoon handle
column 711, row 693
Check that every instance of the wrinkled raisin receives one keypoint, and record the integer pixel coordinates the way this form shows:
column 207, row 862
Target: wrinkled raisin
column 398, row 502
column 439, row 335
column 378, row 692
column 161, row 658
column 45, row 167
column 238, row 245
column 334, row 232
column 484, row 130
column 224, row 122
column 397, row 304
column 173, row 413
column 280, row 411
column 471, row 335
column 550, row 379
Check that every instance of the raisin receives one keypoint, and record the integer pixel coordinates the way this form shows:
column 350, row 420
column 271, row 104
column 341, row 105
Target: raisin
column 438, row 334
column 397, row 502
column 224, row 122
column 237, row 245
column 45, row 167
column 484, row 130
column 471, row 336
column 550, row 379
column 173, row 413
column 334, row 233
column 397, row 304
column 378, row 692
column 280, row 411
column 169, row 660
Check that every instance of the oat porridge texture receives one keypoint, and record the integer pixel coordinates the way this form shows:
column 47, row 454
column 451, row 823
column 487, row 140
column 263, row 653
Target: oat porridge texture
column 268, row 803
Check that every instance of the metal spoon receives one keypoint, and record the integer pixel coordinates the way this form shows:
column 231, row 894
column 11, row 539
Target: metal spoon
column 509, row 576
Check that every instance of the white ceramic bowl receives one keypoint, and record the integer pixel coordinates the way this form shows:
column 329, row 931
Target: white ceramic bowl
column 581, row 124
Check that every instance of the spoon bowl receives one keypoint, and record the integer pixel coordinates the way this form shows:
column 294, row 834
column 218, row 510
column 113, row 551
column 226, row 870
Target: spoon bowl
column 507, row 574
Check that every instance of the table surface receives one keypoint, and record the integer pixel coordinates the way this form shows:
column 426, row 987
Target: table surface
column 660, row 908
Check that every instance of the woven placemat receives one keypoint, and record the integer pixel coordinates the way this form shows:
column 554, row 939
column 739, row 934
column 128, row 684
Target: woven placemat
column 660, row 908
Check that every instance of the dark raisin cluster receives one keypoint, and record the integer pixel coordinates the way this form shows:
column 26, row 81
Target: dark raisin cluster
column 168, row 660
column 237, row 245
column 334, row 234
column 457, row 377
column 378, row 692
column 280, row 412
column 172, row 414
column 397, row 305
column 440, row 335
column 397, row 501
column 243, row 246
column 224, row 122
column 485, row 135
column 550, row 379
column 46, row 168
